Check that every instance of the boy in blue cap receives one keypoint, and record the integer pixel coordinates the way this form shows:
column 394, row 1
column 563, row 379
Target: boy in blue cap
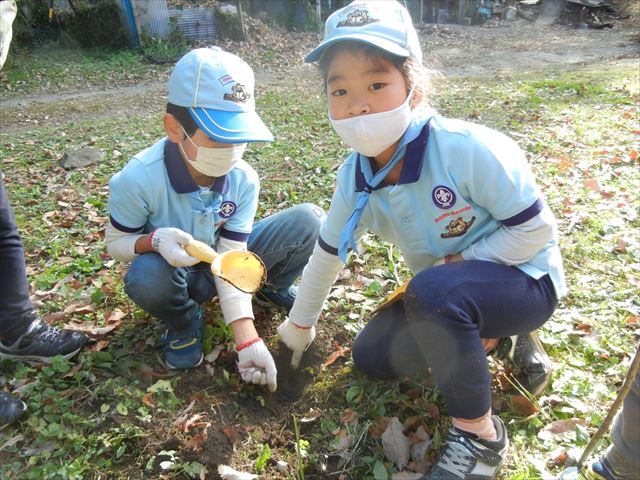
column 461, row 204
column 193, row 184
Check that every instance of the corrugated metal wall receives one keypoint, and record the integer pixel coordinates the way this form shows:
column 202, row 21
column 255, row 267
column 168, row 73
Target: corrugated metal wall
column 153, row 18
column 197, row 23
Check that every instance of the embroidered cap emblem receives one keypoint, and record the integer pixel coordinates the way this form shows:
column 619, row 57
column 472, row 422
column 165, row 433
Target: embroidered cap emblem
column 227, row 209
column 238, row 94
column 443, row 197
column 357, row 18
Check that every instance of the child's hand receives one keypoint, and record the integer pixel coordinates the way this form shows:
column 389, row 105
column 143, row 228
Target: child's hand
column 296, row 338
column 168, row 242
column 256, row 365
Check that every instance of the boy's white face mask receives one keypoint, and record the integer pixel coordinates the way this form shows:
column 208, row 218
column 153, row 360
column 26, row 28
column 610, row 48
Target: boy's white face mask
column 373, row 133
column 215, row 162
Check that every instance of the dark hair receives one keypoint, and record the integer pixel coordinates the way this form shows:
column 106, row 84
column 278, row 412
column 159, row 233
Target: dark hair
column 412, row 71
column 184, row 117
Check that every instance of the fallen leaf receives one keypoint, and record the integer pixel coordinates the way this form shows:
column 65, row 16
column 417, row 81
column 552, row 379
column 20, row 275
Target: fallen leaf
column 99, row 345
column 420, row 441
column 592, row 185
column 523, row 406
column 232, row 435
column 395, row 444
column 348, row 417
column 345, row 443
column 195, row 442
column 631, row 320
column 147, row 399
column 380, row 424
column 337, row 353
column 559, row 428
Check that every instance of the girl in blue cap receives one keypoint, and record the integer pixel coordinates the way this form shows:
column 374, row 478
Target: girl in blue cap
column 461, row 204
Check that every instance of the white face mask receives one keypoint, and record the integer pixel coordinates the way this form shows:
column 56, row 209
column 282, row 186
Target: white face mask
column 373, row 133
column 215, row 162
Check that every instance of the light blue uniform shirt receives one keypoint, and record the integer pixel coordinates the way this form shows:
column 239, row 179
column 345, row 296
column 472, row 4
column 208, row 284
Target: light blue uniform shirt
column 459, row 184
column 156, row 190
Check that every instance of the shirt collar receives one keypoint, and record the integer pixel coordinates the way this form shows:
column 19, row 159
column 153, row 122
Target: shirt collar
column 412, row 145
column 179, row 175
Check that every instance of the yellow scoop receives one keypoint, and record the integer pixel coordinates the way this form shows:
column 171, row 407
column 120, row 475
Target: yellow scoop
column 244, row 270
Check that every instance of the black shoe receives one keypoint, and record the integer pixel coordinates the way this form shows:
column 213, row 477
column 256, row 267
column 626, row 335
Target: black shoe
column 532, row 367
column 41, row 341
column 467, row 457
column 11, row 409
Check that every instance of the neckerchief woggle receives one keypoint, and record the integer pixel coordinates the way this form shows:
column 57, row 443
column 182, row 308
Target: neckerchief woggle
column 346, row 234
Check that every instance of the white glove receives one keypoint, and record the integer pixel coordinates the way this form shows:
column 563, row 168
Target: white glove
column 168, row 242
column 256, row 365
column 296, row 338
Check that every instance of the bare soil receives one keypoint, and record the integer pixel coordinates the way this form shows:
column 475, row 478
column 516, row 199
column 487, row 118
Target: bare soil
column 452, row 50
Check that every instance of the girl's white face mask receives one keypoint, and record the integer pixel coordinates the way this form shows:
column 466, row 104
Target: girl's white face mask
column 215, row 162
column 373, row 133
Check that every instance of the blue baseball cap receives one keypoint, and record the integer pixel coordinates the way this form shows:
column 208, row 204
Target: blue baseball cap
column 217, row 89
column 383, row 24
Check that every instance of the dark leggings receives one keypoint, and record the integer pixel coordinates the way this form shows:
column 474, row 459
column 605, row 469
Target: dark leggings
column 15, row 306
column 440, row 322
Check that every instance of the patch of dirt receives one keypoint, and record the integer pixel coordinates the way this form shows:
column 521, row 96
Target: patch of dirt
column 454, row 50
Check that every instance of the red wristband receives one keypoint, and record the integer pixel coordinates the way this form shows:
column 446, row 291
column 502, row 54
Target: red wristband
column 300, row 327
column 447, row 259
column 247, row 344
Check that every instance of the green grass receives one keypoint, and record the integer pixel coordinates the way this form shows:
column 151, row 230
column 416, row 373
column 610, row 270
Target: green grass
column 90, row 418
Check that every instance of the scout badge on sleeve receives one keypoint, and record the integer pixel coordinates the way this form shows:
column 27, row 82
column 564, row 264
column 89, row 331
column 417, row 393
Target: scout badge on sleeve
column 244, row 270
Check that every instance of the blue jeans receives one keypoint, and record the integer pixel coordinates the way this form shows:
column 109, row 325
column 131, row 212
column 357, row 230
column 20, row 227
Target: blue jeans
column 444, row 313
column 283, row 241
column 16, row 311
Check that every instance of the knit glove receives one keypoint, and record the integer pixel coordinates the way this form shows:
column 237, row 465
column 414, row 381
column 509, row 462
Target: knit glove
column 256, row 364
column 296, row 338
column 168, row 242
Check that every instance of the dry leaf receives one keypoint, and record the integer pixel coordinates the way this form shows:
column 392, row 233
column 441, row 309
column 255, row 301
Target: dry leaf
column 232, row 435
column 345, row 443
column 147, row 399
column 348, row 417
column 338, row 352
column 395, row 444
column 523, row 406
column 195, row 442
column 420, row 441
column 559, row 428
column 380, row 424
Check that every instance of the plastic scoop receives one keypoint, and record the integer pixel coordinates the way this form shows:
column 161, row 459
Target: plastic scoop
column 244, row 270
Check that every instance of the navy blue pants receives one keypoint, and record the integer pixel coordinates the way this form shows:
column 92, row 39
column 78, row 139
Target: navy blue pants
column 15, row 307
column 440, row 322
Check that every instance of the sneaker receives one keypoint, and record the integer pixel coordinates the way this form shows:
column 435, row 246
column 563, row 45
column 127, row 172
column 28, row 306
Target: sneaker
column 599, row 469
column 467, row 457
column 284, row 299
column 183, row 348
column 11, row 409
column 42, row 341
column 532, row 367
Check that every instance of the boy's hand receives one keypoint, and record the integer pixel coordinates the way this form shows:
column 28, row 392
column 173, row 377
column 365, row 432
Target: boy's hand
column 169, row 243
column 256, row 365
column 296, row 338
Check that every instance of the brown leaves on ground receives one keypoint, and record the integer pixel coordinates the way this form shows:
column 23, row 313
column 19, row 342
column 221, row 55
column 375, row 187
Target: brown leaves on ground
column 339, row 351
